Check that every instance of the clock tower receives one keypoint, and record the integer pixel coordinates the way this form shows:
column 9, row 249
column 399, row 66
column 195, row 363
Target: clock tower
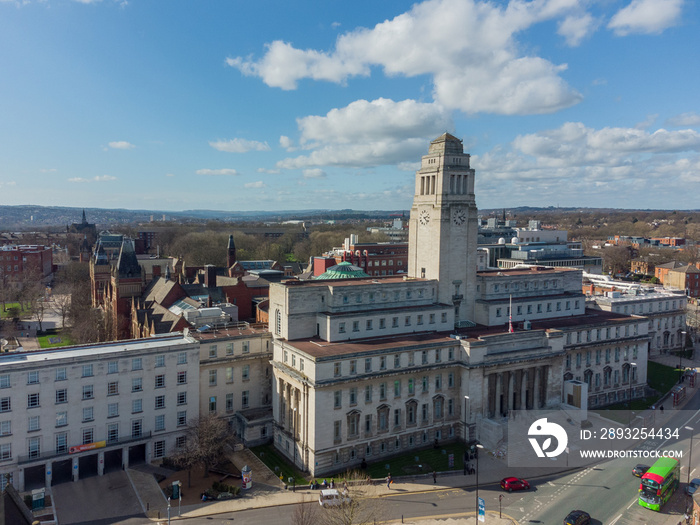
column 443, row 226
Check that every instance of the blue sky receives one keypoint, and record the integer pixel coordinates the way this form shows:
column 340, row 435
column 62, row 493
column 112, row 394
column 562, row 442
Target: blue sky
column 278, row 105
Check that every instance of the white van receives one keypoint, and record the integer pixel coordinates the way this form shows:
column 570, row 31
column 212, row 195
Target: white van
column 332, row 498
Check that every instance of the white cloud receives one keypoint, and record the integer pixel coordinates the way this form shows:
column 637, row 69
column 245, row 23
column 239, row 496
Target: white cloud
column 268, row 171
column 570, row 165
column 468, row 47
column 314, row 173
column 685, row 119
column 224, row 171
column 239, row 145
column 121, row 144
column 78, row 179
column 287, row 143
column 103, row 178
column 8, row 183
column 365, row 134
column 646, row 17
column 575, row 28
column 258, row 184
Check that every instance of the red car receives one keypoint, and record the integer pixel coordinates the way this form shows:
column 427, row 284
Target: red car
column 511, row 484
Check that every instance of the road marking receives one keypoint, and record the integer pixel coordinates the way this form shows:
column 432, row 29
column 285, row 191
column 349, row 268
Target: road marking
column 628, row 506
column 615, row 520
column 691, row 472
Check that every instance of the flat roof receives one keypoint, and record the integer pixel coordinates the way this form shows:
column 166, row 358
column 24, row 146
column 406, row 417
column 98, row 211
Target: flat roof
column 221, row 333
column 388, row 279
column 535, row 270
column 69, row 352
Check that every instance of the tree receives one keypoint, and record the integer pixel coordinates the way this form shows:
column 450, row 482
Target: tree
column 306, row 513
column 61, row 302
column 363, row 507
column 206, row 440
column 39, row 308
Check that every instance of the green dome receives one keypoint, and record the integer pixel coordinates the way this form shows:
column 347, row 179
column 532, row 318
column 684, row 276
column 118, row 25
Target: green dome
column 344, row 270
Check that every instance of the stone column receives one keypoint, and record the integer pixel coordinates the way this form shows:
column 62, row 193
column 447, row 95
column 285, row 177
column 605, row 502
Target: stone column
column 545, row 384
column 511, row 390
column 536, row 389
column 498, row 394
column 101, row 463
column 486, row 397
column 523, row 390
column 48, row 474
column 20, row 480
column 125, row 458
column 75, row 464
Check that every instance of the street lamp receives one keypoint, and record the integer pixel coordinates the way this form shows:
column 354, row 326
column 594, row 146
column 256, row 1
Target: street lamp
column 629, row 378
column 690, row 456
column 466, row 398
column 478, row 446
column 294, row 439
column 680, row 356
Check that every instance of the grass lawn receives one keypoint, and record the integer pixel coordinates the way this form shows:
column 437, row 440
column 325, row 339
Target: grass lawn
column 660, row 377
column 9, row 310
column 54, row 340
column 278, row 464
column 420, row 462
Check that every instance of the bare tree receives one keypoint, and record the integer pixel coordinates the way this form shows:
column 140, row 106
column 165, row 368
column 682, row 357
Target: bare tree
column 39, row 308
column 362, row 508
column 306, row 513
column 61, row 302
column 207, row 437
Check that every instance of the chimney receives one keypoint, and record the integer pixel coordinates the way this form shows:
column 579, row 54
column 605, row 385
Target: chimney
column 210, row 276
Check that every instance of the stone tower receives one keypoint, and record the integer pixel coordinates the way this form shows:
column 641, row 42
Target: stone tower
column 230, row 252
column 443, row 226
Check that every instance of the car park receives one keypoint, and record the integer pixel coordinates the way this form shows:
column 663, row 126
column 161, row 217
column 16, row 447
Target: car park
column 577, row 517
column 511, row 484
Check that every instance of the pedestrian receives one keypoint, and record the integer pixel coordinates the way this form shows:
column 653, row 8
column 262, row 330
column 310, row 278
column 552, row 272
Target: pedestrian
column 434, row 477
column 388, row 481
column 345, row 485
column 662, row 409
column 311, row 485
column 332, row 483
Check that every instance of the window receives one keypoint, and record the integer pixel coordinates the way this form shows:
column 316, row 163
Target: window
column 424, row 357
column 33, row 424
column 136, row 406
column 382, row 391
column 88, row 414
column 336, row 369
column 229, row 402
column 212, row 351
column 182, row 378
column 419, row 319
column 353, row 367
column 61, row 374
column 212, row 377
column 159, row 424
column 356, row 326
column 112, row 409
column 137, row 363
column 136, row 428
column 337, row 430
column 5, row 428
column 438, row 382
column 5, row 451
column 159, row 449
column 229, row 374
column 407, row 320
column 450, row 380
column 62, row 396
column 61, row 442
column 212, row 404
column 382, row 363
column 244, row 398
column 5, row 405
column 113, row 432
column 113, row 367
column 160, row 361
column 397, row 388
column 395, row 322
column 61, row 419
column 444, row 317
column 160, row 381
column 382, row 323
column 229, row 349
column 32, row 400
column 136, row 384
column 182, row 398
column 33, row 377
column 34, row 447
column 160, row 402
column 369, row 324
column 182, row 418
column 181, row 441
column 337, row 399
column 426, row 385
column 410, row 387
column 368, row 393
column 245, row 373
column 182, row 358
column 87, row 370
column 341, row 328
column 368, row 364
column 438, row 356
column 113, row 388
column 397, row 360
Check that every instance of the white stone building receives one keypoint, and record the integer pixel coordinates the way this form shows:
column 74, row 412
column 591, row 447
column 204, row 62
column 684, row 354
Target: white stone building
column 85, row 410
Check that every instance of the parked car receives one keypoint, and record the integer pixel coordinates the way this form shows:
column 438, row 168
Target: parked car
column 511, row 484
column 577, row 517
column 332, row 498
column 640, row 470
column 692, row 486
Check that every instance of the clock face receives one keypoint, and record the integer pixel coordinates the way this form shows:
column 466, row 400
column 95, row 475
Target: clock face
column 424, row 217
column 459, row 217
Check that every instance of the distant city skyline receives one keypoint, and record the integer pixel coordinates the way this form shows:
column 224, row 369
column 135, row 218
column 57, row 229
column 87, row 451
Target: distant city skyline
column 238, row 106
